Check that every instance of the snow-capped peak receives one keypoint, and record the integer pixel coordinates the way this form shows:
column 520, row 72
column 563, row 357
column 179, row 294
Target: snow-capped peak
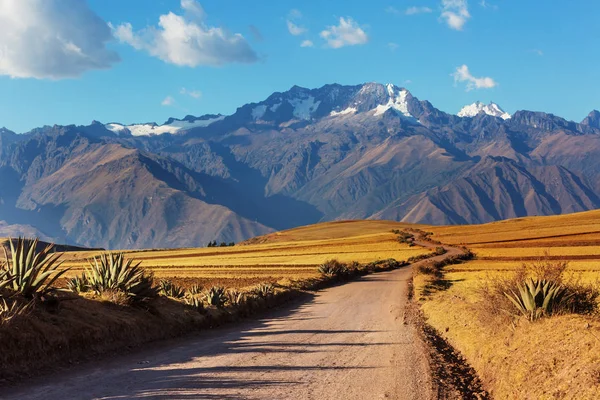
column 492, row 109
column 172, row 126
column 398, row 100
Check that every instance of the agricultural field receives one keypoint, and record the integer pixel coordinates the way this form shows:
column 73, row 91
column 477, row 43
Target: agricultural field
column 283, row 256
column 556, row 357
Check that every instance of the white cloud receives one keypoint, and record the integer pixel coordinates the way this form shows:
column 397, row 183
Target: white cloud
column 307, row 43
column 462, row 74
column 168, row 101
column 196, row 94
column 295, row 29
column 52, row 39
column 393, row 46
column 187, row 40
column 347, row 33
column 392, row 10
column 417, row 10
column 455, row 13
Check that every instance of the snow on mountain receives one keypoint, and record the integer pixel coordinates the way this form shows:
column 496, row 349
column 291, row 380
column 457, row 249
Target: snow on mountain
column 349, row 110
column 492, row 109
column 303, row 108
column 172, row 126
column 397, row 101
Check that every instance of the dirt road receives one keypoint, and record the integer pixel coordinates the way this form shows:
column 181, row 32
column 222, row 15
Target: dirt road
column 346, row 342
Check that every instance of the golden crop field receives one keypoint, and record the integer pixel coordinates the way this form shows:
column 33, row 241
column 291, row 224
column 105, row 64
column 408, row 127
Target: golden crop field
column 292, row 254
column 510, row 357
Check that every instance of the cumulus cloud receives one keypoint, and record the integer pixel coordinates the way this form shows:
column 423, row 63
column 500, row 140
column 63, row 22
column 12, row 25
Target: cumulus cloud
column 52, row 39
column 168, row 101
column 455, row 13
column 347, row 33
column 186, row 40
column 462, row 74
column 417, row 10
column 307, row 43
column 294, row 29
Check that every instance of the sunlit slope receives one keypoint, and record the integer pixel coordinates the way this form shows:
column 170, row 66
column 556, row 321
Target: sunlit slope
column 569, row 229
column 290, row 254
column 333, row 230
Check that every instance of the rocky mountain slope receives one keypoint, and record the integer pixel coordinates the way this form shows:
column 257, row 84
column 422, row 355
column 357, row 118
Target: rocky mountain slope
column 298, row 157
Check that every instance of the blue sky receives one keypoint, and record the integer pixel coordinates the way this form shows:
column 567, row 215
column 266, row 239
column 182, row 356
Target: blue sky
column 63, row 64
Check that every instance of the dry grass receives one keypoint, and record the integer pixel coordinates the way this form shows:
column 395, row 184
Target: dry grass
column 77, row 327
column 557, row 357
column 273, row 258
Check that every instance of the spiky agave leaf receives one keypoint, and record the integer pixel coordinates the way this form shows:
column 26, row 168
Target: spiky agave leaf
column 216, row 296
column 536, row 298
column 9, row 312
column 32, row 273
column 264, row 290
column 169, row 289
column 112, row 272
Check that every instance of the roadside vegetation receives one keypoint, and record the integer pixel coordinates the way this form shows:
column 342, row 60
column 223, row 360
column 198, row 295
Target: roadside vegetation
column 524, row 310
column 53, row 312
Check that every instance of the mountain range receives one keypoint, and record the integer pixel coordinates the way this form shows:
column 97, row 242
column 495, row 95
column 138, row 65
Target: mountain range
column 298, row 157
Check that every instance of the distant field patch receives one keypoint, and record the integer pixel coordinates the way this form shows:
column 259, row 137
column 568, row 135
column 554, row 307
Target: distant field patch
column 270, row 260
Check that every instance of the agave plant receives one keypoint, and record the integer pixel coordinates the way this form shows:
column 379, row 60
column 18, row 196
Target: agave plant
column 264, row 290
column 169, row 289
column 235, row 297
column 9, row 312
column 195, row 302
column 195, row 290
column 537, row 298
column 78, row 284
column 30, row 272
column 4, row 279
column 216, row 296
column 112, row 272
column 333, row 268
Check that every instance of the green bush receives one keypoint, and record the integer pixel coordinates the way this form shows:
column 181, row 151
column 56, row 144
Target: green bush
column 537, row 298
column 216, row 296
column 111, row 272
column 264, row 290
column 29, row 272
column 333, row 269
column 78, row 284
column 169, row 289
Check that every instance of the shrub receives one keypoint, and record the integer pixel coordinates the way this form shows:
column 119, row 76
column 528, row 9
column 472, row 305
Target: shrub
column 195, row 302
column 11, row 311
column 264, row 290
column 235, row 297
column 537, row 290
column 78, row 284
column 29, row 272
column 538, row 298
column 111, row 272
column 169, row 289
column 333, row 269
column 439, row 251
column 195, row 290
column 216, row 296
